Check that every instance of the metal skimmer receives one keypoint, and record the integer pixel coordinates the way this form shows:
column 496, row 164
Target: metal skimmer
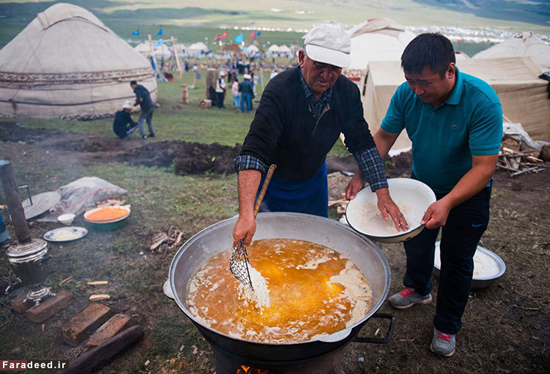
column 238, row 262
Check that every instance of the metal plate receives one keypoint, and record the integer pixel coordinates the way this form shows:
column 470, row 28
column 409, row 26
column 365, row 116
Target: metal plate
column 65, row 234
column 41, row 203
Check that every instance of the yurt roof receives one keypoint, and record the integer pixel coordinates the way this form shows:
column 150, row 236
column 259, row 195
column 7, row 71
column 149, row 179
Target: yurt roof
column 379, row 39
column 199, row 46
column 525, row 45
column 283, row 48
column 67, row 38
column 273, row 48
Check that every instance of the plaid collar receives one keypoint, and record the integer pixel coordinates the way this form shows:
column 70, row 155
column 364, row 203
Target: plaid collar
column 315, row 107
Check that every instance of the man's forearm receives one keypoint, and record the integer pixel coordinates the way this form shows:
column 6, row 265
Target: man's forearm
column 248, row 183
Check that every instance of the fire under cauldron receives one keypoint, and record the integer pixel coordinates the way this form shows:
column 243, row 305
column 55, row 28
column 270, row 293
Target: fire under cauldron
column 323, row 355
column 29, row 257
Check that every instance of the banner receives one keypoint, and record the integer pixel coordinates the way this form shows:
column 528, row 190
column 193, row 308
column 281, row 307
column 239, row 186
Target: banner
column 253, row 35
column 160, row 32
column 218, row 37
column 239, row 38
column 136, row 32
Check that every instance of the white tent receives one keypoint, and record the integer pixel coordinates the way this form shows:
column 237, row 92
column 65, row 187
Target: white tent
column 284, row 49
column 251, row 49
column 66, row 63
column 379, row 39
column 162, row 51
column 522, row 94
column 143, row 48
column 525, row 45
column 196, row 48
column 274, row 48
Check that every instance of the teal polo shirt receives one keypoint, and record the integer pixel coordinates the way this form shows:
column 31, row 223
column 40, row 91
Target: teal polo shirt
column 444, row 139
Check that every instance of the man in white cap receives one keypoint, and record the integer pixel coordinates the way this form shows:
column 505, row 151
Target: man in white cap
column 124, row 125
column 220, row 90
column 301, row 114
column 247, row 93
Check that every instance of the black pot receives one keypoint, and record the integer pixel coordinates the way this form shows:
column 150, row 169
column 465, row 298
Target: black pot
column 217, row 238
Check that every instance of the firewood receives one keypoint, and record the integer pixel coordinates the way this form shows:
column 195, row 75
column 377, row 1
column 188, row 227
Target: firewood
column 97, row 283
column 98, row 356
column 160, row 239
column 99, row 297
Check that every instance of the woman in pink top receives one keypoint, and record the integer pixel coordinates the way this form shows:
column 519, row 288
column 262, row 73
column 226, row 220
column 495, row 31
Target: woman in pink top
column 236, row 94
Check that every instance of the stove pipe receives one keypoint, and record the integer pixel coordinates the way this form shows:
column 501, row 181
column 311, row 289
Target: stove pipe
column 15, row 206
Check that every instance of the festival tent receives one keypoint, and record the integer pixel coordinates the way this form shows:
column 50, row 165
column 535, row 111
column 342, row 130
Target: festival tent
column 274, row 48
column 378, row 39
column 197, row 48
column 525, row 45
column 162, row 51
column 515, row 80
column 66, row 63
column 251, row 49
column 143, row 48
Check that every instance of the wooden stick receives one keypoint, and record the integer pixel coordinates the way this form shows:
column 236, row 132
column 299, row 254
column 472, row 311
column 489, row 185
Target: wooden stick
column 99, row 297
column 97, row 283
column 66, row 280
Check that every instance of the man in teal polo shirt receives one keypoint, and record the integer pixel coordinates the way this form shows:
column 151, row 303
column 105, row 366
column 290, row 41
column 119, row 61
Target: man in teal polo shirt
column 454, row 121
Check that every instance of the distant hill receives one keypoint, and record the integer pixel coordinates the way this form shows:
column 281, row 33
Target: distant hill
column 284, row 21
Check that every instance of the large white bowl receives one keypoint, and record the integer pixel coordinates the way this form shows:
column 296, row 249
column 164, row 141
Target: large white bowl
column 493, row 264
column 411, row 196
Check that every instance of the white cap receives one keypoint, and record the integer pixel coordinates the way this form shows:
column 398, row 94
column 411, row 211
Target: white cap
column 329, row 44
column 128, row 105
column 222, row 73
column 247, row 76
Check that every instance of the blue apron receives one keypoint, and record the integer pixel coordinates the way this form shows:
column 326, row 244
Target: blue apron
column 309, row 196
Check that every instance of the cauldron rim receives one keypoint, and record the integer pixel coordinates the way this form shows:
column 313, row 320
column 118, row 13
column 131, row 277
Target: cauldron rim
column 352, row 330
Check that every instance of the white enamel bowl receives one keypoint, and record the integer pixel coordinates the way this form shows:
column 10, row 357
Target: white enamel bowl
column 411, row 196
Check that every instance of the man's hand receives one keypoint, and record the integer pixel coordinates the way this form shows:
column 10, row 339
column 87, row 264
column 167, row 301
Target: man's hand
column 355, row 185
column 388, row 208
column 245, row 228
column 436, row 215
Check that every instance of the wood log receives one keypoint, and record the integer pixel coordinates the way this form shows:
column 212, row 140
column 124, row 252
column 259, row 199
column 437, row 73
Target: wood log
column 98, row 356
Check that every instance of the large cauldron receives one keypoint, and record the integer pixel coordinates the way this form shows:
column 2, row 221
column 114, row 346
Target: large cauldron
column 217, row 238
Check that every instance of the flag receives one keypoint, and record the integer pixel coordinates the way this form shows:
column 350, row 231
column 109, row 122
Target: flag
column 258, row 33
column 253, row 35
column 239, row 38
column 136, row 32
column 160, row 32
column 225, row 34
column 218, row 37
column 158, row 43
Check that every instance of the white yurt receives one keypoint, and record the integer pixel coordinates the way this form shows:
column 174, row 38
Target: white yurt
column 67, row 64
column 162, row 51
column 378, row 39
column 251, row 49
column 274, row 48
column 525, row 45
column 197, row 48
column 144, row 48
